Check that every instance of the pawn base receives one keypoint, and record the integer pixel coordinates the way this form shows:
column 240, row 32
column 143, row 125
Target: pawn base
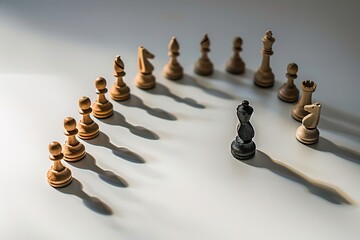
column 145, row 81
column 87, row 132
column 264, row 79
column 236, row 67
column 119, row 93
column 307, row 136
column 59, row 179
column 204, row 68
column 102, row 110
column 287, row 94
column 243, row 151
column 173, row 72
column 74, row 153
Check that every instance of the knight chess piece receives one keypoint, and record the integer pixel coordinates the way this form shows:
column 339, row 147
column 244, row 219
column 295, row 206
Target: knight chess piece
column 236, row 65
column 203, row 65
column 119, row 91
column 288, row 92
column 308, row 133
column 73, row 150
column 145, row 79
column 264, row 77
column 58, row 175
column 243, row 148
column 298, row 112
column 102, row 108
column 88, row 129
column 173, row 70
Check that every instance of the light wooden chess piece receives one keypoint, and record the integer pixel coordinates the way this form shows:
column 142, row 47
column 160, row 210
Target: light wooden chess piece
column 73, row 150
column 58, row 175
column 203, row 65
column 88, row 129
column 288, row 92
column 119, row 91
column 173, row 70
column 145, row 79
column 102, row 108
column 308, row 133
column 264, row 77
column 298, row 112
column 236, row 65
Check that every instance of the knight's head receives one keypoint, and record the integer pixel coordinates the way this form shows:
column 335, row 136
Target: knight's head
column 244, row 111
column 146, row 53
column 313, row 108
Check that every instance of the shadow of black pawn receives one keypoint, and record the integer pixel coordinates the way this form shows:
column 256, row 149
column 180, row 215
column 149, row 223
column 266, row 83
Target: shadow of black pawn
column 75, row 188
column 122, row 152
column 89, row 163
column 119, row 120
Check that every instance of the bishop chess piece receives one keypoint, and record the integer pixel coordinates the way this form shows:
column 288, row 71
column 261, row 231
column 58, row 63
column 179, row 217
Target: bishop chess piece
column 243, row 148
column 73, row 150
column 298, row 112
column 203, row 65
column 102, row 108
column 288, row 92
column 308, row 133
column 88, row 129
column 58, row 175
column 173, row 70
column 145, row 79
column 119, row 91
column 236, row 65
column 264, row 77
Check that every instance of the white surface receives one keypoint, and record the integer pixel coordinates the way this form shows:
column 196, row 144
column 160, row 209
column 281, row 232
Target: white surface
column 189, row 187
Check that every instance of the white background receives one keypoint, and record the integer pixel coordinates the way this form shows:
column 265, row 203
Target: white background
column 189, row 186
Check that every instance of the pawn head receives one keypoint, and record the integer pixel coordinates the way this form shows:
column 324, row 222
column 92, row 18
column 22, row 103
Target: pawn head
column 292, row 68
column 55, row 148
column 238, row 42
column 84, row 103
column 69, row 124
column 100, row 83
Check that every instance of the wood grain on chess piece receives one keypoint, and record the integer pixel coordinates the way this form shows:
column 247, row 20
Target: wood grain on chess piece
column 308, row 133
column 145, row 79
column 298, row 112
column 119, row 91
column 73, row 150
column 58, row 175
column 288, row 92
column 203, row 65
column 88, row 129
column 102, row 108
column 173, row 70
column 236, row 65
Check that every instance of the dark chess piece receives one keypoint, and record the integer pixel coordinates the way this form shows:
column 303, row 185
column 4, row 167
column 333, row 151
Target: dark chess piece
column 243, row 148
column 288, row 92
column 236, row 65
column 203, row 65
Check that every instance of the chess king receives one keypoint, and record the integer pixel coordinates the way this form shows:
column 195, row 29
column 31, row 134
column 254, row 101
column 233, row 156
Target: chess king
column 243, row 148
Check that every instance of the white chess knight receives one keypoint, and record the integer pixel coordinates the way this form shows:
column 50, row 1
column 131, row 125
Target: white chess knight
column 308, row 133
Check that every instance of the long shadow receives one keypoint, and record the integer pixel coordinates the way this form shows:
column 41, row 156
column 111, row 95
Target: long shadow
column 75, row 188
column 119, row 120
column 191, row 81
column 122, row 152
column 326, row 145
column 135, row 101
column 161, row 89
column 89, row 163
column 331, row 194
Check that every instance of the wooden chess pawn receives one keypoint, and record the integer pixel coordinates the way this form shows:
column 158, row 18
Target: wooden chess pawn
column 288, row 92
column 119, row 91
column 88, row 129
column 308, row 133
column 58, row 175
column 243, row 148
column 236, row 65
column 264, row 77
column 102, row 108
column 73, row 150
column 203, row 65
column 173, row 70
column 298, row 112
column 145, row 79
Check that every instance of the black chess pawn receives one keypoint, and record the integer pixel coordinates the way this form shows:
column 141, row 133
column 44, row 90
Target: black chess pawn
column 243, row 147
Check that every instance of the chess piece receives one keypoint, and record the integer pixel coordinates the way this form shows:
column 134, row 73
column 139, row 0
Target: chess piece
column 58, row 175
column 119, row 91
column 173, row 70
column 145, row 79
column 288, row 92
column 203, row 65
column 102, row 108
column 264, row 77
column 243, row 148
column 298, row 112
column 73, row 150
column 236, row 65
column 308, row 133
column 88, row 129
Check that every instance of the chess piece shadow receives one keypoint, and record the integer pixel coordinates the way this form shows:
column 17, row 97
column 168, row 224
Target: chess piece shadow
column 135, row 101
column 118, row 119
column 75, row 188
column 122, row 152
column 325, row 145
column 161, row 89
column 191, row 81
column 109, row 177
column 327, row 192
